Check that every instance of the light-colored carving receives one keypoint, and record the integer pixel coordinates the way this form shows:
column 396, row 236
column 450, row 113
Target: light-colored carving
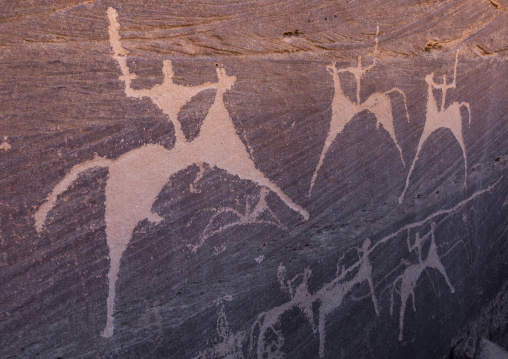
column 343, row 109
column 218, row 144
column 219, row 249
column 5, row 145
column 228, row 345
column 168, row 96
column 137, row 177
column 266, row 338
column 437, row 118
column 326, row 300
column 250, row 216
column 411, row 274
column 259, row 259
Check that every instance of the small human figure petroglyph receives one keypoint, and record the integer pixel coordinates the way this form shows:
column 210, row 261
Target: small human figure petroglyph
column 228, row 345
column 5, row 145
column 343, row 109
column 333, row 293
column 266, row 339
column 269, row 321
column 138, row 176
column 219, row 249
column 409, row 277
column 437, row 118
column 326, row 300
column 250, row 216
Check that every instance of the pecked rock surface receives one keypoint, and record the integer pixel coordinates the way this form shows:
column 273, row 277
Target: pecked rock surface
column 231, row 179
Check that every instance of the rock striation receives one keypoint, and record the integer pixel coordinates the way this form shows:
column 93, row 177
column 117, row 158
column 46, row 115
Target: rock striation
column 230, row 179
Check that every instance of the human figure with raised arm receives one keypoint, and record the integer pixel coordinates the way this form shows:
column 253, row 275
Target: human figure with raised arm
column 443, row 117
column 168, row 96
column 344, row 110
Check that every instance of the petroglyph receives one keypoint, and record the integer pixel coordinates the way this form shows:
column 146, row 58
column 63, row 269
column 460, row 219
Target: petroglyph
column 152, row 319
column 5, row 145
column 228, row 345
column 327, row 299
column 266, row 338
column 412, row 273
column 250, row 216
column 219, row 249
column 343, row 109
column 437, row 118
column 168, row 96
column 218, row 144
column 137, row 177
column 441, row 212
column 259, row 259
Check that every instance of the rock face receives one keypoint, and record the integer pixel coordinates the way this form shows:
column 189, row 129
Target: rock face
column 252, row 179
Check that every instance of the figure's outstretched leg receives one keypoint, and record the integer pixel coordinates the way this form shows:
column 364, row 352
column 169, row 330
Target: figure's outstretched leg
column 335, row 129
column 322, row 333
column 396, row 89
column 380, row 106
column 118, row 235
column 459, row 136
column 115, row 255
column 420, row 145
column 401, row 318
column 241, row 165
column 284, row 197
column 372, row 291
column 435, row 261
column 460, row 139
column 62, row 186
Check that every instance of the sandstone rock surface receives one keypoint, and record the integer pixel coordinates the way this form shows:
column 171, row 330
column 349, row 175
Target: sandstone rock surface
column 240, row 179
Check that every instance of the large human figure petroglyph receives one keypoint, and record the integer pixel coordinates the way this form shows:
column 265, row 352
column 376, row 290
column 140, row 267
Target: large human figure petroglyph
column 413, row 272
column 217, row 132
column 437, row 118
column 168, row 96
column 137, row 177
column 327, row 299
column 343, row 109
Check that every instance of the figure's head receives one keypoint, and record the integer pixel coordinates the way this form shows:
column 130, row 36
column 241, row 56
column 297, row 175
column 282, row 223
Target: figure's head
column 306, row 274
column 366, row 245
column 332, row 68
column 430, row 78
column 167, row 69
column 225, row 81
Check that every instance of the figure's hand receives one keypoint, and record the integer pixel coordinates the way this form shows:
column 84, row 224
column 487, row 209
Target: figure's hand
column 332, row 68
column 430, row 79
column 225, row 80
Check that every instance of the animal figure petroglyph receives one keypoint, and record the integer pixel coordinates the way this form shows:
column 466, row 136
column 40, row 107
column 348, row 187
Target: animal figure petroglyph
column 327, row 299
column 436, row 118
column 250, row 216
column 266, row 338
column 410, row 276
column 137, row 177
column 343, row 109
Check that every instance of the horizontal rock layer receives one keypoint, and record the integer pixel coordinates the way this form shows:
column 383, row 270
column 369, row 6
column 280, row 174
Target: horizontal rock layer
column 279, row 180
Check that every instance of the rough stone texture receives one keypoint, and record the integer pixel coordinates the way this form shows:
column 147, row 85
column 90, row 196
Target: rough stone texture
column 479, row 349
column 275, row 223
